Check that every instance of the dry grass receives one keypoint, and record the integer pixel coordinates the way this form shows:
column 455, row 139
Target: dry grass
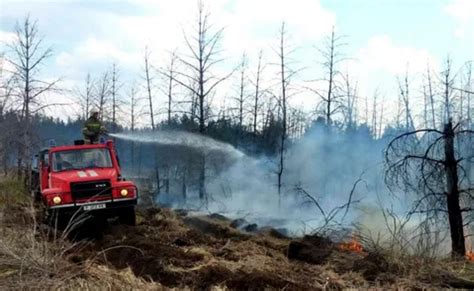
column 30, row 259
column 33, row 256
column 168, row 251
column 12, row 192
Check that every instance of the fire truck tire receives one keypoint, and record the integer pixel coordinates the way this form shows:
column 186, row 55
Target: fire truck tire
column 53, row 219
column 127, row 216
column 36, row 196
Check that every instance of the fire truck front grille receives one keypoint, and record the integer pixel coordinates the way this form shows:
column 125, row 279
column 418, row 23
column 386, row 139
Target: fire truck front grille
column 95, row 189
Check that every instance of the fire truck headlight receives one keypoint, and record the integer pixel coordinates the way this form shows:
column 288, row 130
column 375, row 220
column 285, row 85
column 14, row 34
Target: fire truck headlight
column 57, row 200
column 124, row 192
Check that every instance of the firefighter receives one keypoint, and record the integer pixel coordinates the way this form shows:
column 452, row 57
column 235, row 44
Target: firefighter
column 93, row 128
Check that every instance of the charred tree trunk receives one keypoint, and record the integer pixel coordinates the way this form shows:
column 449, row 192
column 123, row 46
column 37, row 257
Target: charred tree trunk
column 454, row 209
column 184, row 188
column 448, row 81
column 425, row 107
column 405, row 98
column 157, row 171
column 330, row 80
column 202, row 178
column 241, row 99
column 431, row 100
column 170, row 76
column 374, row 114
column 257, row 96
column 148, row 88
column 148, row 80
column 283, row 107
column 167, row 179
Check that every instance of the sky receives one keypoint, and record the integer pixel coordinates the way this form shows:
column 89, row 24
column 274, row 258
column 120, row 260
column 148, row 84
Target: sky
column 382, row 38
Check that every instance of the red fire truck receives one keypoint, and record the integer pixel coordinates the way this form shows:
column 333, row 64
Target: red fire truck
column 82, row 178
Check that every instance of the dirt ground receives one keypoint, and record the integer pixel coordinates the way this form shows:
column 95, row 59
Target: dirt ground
column 170, row 249
column 206, row 253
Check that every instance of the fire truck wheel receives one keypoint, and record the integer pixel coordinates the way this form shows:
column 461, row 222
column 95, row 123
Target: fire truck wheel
column 53, row 219
column 36, row 196
column 127, row 216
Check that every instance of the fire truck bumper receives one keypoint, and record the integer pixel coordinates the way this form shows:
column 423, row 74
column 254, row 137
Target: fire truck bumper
column 105, row 208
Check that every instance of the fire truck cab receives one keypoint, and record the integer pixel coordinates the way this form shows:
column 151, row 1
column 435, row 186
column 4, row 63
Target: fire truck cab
column 83, row 178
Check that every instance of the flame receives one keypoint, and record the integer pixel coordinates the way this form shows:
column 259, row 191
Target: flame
column 469, row 253
column 470, row 256
column 353, row 246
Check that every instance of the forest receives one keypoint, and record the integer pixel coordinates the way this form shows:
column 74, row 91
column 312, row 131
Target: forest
column 203, row 134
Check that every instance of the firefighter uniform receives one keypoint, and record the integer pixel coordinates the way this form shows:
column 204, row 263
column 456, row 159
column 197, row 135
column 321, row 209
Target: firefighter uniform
column 93, row 128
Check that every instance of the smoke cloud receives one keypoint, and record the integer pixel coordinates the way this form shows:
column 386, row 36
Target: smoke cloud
column 328, row 166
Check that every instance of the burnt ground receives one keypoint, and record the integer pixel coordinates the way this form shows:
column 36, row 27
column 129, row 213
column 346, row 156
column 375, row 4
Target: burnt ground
column 206, row 252
column 168, row 249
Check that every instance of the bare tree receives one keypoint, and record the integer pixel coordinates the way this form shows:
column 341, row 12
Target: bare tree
column 431, row 165
column 86, row 97
column 168, row 76
column 103, row 94
column 296, row 123
column 171, row 69
column 430, row 96
column 258, row 94
column 469, row 94
column 366, row 109
column 331, row 99
column 242, row 94
column 204, row 55
column 115, row 86
column 286, row 75
column 425, row 106
column 381, row 116
column 134, row 109
column 374, row 112
column 404, row 89
column 447, row 83
column 148, row 84
column 197, row 75
column 27, row 57
column 7, row 87
column 467, row 90
column 134, row 113
column 350, row 108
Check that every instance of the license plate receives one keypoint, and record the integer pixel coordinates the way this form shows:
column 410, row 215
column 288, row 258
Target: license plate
column 94, row 207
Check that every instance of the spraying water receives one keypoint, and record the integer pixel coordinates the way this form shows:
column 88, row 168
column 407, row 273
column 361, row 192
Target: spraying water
column 246, row 187
column 327, row 166
column 197, row 141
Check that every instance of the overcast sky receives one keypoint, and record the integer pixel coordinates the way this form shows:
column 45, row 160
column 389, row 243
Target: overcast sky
column 382, row 36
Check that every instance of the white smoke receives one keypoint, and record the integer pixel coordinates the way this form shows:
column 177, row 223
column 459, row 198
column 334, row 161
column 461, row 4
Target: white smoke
column 197, row 141
column 329, row 166
column 326, row 165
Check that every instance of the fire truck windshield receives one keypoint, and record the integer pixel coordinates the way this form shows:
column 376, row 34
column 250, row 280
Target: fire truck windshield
column 81, row 159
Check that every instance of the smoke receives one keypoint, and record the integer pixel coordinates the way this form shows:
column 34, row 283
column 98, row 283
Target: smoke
column 203, row 143
column 328, row 166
